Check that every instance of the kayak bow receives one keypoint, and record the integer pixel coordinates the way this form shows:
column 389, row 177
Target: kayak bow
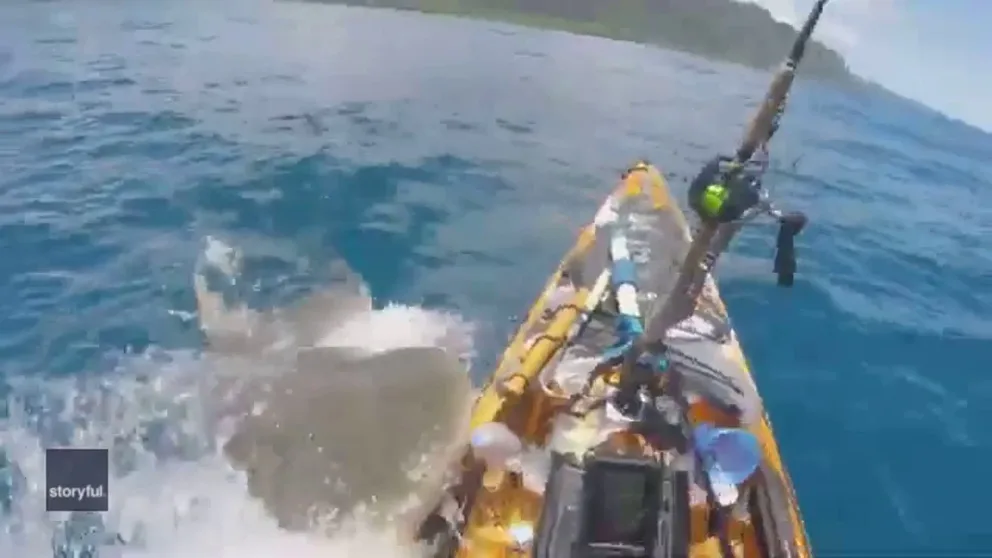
column 547, row 455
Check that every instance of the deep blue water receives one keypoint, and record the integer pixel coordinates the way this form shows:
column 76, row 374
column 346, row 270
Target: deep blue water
column 450, row 163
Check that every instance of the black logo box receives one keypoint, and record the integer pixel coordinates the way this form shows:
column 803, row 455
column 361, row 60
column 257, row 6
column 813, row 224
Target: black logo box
column 77, row 479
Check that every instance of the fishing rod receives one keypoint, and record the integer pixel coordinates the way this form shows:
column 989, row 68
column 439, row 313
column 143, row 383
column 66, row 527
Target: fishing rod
column 726, row 194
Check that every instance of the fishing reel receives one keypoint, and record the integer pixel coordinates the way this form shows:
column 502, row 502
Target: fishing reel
column 728, row 192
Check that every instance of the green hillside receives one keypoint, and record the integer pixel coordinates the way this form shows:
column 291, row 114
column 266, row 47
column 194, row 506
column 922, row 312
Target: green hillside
column 719, row 29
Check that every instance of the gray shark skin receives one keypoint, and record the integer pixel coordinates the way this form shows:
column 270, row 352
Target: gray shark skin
column 327, row 434
column 344, row 431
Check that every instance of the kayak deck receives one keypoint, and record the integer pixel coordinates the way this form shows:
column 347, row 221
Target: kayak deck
column 542, row 389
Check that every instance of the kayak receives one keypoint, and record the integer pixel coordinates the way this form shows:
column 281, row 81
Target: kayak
column 553, row 470
column 622, row 419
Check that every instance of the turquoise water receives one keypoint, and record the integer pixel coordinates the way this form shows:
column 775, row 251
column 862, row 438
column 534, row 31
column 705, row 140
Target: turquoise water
column 450, row 163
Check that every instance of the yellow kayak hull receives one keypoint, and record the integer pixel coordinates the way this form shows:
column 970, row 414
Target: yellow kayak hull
column 519, row 395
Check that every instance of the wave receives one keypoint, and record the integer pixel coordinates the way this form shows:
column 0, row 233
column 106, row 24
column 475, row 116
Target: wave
column 169, row 417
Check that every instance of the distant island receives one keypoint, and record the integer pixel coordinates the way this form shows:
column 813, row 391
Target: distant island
column 728, row 30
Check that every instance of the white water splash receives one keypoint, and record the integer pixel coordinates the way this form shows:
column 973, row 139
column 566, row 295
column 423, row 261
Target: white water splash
column 173, row 493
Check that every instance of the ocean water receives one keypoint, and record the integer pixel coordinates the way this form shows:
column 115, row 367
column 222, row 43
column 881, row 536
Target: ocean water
column 450, row 163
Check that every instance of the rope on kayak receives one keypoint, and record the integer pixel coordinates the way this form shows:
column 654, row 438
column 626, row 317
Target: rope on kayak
column 623, row 279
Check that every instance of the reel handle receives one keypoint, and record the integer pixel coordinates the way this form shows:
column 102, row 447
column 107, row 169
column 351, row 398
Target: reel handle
column 790, row 225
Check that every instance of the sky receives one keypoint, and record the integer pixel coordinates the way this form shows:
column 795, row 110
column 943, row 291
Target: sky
column 937, row 52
